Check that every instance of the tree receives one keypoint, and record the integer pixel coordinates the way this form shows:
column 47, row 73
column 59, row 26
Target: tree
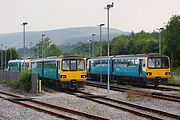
column 40, row 48
column 172, row 40
column 46, row 43
column 53, row 50
column 11, row 54
column 46, row 48
column 119, row 45
column 142, row 42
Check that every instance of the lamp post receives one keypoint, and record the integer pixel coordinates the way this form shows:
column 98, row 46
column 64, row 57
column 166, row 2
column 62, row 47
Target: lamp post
column 100, row 37
column 5, row 57
column 42, row 44
column 108, row 7
column 10, row 53
column 89, row 48
column 1, row 57
column 160, row 30
column 30, row 44
column 24, row 24
column 93, row 44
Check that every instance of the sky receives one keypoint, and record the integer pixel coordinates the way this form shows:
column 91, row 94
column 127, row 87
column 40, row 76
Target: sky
column 126, row 15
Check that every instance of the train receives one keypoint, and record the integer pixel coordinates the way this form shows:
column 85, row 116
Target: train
column 136, row 69
column 19, row 64
column 60, row 72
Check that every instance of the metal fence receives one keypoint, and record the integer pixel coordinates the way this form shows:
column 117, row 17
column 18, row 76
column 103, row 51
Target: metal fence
column 7, row 75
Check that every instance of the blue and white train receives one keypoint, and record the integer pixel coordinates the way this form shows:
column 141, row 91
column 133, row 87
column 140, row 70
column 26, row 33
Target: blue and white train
column 139, row 69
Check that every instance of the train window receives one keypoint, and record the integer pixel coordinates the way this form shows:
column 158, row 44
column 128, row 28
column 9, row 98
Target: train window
column 151, row 63
column 73, row 64
column 165, row 62
column 121, row 63
column 131, row 63
column 94, row 63
column 24, row 65
column 39, row 64
column 104, row 62
column 80, row 65
column 34, row 65
column 158, row 62
column 136, row 62
column 13, row 65
column 50, row 64
column 65, row 65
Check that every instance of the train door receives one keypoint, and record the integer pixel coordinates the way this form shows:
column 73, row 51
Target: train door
column 140, row 67
column 89, row 66
column 113, row 61
column 57, row 70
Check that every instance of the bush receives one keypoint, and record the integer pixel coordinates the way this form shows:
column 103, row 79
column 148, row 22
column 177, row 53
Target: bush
column 175, row 76
column 25, row 80
column 15, row 84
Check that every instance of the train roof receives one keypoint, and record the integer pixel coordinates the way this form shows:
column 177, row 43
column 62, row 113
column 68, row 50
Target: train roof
column 13, row 61
column 65, row 57
column 141, row 55
column 103, row 57
column 19, row 60
column 72, row 57
column 43, row 59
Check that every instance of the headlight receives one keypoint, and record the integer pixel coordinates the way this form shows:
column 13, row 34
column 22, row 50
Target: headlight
column 167, row 73
column 83, row 76
column 63, row 76
column 149, row 73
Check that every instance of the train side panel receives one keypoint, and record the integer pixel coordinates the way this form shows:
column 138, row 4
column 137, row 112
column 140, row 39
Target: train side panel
column 98, row 68
column 50, row 70
column 37, row 68
column 124, row 67
column 14, row 65
column 129, row 69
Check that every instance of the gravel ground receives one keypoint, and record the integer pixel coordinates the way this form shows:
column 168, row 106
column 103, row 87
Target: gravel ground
column 172, row 107
column 11, row 111
column 73, row 102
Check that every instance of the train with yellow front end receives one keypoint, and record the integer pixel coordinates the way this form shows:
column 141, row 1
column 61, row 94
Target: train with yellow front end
column 73, row 71
column 61, row 72
column 139, row 69
column 57, row 72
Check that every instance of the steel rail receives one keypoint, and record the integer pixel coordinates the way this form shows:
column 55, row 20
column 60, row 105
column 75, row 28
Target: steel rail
column 154, row 94
column 120, row 107
column 162, row 88
column 58, row 107
column 134, row 106
column 40, row 109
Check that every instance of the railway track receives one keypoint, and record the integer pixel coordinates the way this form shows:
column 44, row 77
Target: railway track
column 150, row 94
column 128, row 107
column 163, row 88
column 17, row 99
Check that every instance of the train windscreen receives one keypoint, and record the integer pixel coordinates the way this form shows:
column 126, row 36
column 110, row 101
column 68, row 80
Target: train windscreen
column 158, row 62
column 73, row 65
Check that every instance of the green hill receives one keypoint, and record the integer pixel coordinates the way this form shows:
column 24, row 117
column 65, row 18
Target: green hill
column 58, row 36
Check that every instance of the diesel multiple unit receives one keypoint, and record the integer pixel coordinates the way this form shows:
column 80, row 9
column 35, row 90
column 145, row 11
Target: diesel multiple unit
column 140, row 69
column 63, row 72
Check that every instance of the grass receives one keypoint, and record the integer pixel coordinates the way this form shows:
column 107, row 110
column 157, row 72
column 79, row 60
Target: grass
column 24, row 83
column 176, row 94
column 175, row 76
column 94, row 107
column 136, row 95
column 14, row 84
column 4, row 81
